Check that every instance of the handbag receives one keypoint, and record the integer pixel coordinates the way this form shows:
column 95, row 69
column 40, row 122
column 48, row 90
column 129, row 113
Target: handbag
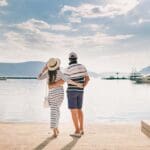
column 46, row 102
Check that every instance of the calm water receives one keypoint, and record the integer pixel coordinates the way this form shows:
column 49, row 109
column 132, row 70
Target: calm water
column 21, row 101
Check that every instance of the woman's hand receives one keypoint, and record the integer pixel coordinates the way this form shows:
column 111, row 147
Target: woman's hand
column 45, row 68
column 39, row 75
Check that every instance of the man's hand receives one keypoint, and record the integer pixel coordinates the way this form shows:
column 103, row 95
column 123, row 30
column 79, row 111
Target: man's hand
column 87, row 79
column 80, row 85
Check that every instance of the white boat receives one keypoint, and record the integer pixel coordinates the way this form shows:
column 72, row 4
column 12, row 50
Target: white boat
column 143, row 79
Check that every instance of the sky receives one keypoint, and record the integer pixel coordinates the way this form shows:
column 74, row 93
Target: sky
column 107, row 35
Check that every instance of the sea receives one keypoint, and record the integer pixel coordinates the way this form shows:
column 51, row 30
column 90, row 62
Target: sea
column 104, row 101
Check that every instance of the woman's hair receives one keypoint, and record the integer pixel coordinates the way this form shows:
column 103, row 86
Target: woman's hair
column 52, row 76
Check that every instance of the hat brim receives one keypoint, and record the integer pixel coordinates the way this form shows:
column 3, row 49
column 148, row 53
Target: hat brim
column 57, row 65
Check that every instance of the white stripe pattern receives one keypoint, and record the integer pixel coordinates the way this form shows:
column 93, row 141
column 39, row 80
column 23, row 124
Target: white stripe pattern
column 77, row 73
column 55, row 98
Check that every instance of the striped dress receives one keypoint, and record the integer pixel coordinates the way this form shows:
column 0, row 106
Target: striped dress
column 55, row 98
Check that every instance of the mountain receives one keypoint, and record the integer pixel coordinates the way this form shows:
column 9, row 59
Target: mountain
column 27, row 69
column 145, row 70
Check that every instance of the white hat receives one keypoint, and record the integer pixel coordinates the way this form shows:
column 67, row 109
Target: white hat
column 73, row 55
column 53, row 64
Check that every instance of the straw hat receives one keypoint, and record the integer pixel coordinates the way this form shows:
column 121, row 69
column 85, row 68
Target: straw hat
column 53, row 64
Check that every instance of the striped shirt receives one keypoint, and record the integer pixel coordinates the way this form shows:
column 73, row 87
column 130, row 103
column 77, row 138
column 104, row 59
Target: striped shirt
column 77, row 73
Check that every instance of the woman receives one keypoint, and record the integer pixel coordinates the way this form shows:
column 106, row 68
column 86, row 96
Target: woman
column 56, row 93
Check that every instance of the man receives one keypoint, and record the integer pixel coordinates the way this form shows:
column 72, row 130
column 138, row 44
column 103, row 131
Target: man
column 78, row 73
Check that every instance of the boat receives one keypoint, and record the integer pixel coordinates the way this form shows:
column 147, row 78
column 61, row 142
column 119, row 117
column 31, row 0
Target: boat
column 135, row 75
column 115, row 78
column 109, row 78
column 143, row 79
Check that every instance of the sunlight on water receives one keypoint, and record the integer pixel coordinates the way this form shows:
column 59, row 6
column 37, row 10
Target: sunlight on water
column 104, row 100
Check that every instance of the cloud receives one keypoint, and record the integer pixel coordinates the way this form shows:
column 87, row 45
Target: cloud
column 33, row 36
column 74, row 19
column 35, row 25
column 140, row 21
column 101, row 39
column 3, row 3
column 111, row 8
column 60, row 27
column 94, row 27
column 44, row 40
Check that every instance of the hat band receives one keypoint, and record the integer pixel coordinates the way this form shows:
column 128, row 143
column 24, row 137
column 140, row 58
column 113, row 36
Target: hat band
column 54, row 65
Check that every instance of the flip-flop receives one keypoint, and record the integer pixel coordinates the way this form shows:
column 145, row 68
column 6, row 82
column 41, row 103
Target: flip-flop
column 54, row 135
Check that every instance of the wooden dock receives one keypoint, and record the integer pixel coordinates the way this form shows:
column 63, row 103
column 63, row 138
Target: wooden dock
column 145, row 127
column 98, row 136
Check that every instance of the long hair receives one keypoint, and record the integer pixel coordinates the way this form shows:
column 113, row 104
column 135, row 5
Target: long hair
column 52, row 76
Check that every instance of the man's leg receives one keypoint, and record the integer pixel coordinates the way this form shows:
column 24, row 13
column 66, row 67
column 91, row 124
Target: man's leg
column 80, row 112
column 74, row 113
column 80, row 117
column 72, row 104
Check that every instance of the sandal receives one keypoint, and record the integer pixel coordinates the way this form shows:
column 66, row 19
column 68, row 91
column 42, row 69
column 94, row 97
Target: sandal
column 78, row 135
column 81, row 132
column 57, row 131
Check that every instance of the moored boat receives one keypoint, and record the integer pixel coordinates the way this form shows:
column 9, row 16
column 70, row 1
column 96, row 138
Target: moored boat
column 143, row 79
column 135, row 75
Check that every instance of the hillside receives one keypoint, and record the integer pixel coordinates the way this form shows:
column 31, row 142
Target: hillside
column 31, row 68
column 26, row 69
column 145, row 70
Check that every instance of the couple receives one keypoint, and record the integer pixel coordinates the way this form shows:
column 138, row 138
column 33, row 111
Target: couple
column 77, row 78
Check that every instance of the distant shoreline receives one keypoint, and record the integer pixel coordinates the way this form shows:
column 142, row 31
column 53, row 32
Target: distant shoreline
column 5, row 78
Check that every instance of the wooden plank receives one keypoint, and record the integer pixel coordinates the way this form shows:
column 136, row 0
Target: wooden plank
column 145, row 127
column 146, row 132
